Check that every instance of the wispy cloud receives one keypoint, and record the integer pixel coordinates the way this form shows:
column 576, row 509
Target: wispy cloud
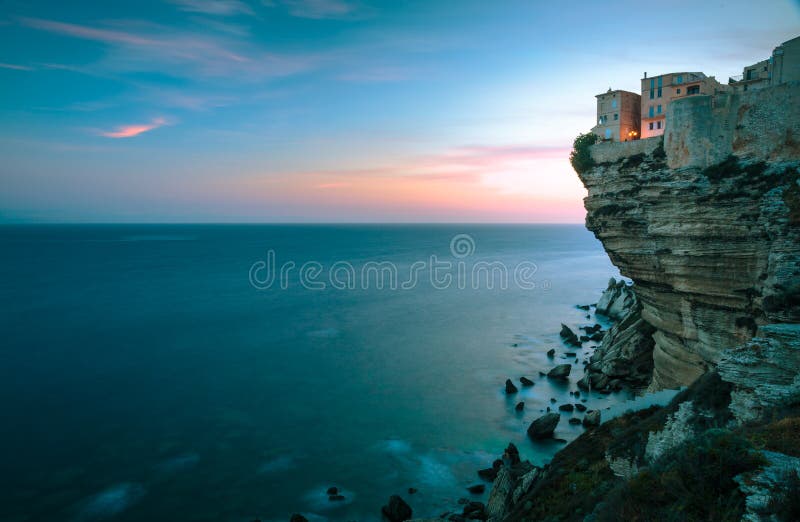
column 129, row 131
column 174, row 52
column 15, row 67
column 214, row 7
column 318, row 9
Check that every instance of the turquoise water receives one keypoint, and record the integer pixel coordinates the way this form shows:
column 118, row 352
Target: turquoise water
column 144, row 377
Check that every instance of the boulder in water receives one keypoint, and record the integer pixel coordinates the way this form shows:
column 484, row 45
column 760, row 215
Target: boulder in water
column 543, row 427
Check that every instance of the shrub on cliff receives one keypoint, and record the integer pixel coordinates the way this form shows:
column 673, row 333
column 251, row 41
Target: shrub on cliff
column 580, row 157
column 694, row 482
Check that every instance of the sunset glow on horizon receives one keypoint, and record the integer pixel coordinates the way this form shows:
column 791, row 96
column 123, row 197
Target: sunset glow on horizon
column 328, row 110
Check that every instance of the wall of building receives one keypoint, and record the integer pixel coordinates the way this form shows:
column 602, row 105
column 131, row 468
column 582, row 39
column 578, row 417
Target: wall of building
column 786, row 62
column 704, row 130
column 608, row 152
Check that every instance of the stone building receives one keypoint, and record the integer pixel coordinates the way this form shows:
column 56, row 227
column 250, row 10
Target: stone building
column 782, row 67
column 618, row 116
column 659, row 91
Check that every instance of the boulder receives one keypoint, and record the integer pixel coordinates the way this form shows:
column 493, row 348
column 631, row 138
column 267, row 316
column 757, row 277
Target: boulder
column 574, row 420
column 551, row 352
column 297, row 517
column 525, row 381
column 397, row 510
column 477, row 489
column 560, row 372
column 580, row 407
column 510, row 388
column 520, row 406
column 566, row 407
column 569, row 336
column 543, row 427
column 592, row 418
column 333, row 490
column 335, row 498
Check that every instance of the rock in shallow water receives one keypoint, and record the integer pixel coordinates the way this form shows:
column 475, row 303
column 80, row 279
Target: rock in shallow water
column 560, row 372
column 569, row 336
column 520, row 406
column 592, row 418
column 397, row 510
column 525, row 381
column 543, row 427
column 510, row 388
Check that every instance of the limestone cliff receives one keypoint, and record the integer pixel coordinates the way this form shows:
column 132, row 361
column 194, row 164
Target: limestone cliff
column 706, row 223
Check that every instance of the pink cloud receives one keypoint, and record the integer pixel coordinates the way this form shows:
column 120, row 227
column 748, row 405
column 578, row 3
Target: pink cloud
column 129, row 131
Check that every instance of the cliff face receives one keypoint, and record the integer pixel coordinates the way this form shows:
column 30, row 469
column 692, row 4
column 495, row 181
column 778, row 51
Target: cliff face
column 707, row 225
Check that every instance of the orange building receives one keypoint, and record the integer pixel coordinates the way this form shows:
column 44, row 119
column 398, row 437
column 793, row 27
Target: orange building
column 659, row 91
column 618, row 116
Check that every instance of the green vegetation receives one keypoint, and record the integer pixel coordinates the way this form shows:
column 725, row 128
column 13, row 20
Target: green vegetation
column 581, row 157
column 785, row 502
column 659, row 153
column 694, row 482
column 731, row 166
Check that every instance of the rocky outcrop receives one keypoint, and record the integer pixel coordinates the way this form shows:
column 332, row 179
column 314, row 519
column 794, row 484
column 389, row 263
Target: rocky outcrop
column 707, row 225
column 617, row 301
column 625, row 354
column 765, row 372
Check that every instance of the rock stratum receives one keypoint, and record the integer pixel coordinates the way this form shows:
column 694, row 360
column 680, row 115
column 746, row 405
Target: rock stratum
column 707, row 225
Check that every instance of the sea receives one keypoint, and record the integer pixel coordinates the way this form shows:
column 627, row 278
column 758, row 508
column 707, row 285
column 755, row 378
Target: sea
column 237, row 372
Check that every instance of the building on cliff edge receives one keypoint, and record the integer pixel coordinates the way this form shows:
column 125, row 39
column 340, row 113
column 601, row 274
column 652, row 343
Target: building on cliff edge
column 781, row 67
column 618, row 116
column 659, row 91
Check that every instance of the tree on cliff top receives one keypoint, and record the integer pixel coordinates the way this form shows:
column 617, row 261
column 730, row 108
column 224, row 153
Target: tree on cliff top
column 580, row 157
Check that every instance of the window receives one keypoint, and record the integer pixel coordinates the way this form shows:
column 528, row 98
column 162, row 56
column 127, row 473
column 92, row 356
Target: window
column 652, row 93
column 652, row 83
column 613, row 104
column 658, row 124
column 659, row 80
column 651, row 125
column 694, row 89
column 678, row 91
column 659, row 92
column 679, row 80
column 608, row 134
column 651, row 111
column 659, row 109
column 616, row 117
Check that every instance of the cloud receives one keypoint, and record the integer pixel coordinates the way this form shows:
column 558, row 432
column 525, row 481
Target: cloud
column 15, row 67
column 317, row 9
column 179, row 53
column 214, row 7
column 129, row 131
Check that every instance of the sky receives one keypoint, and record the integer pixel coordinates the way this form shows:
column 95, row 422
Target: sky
column 332, row 110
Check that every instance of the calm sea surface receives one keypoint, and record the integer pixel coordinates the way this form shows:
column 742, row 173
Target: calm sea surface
column 143, row 376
